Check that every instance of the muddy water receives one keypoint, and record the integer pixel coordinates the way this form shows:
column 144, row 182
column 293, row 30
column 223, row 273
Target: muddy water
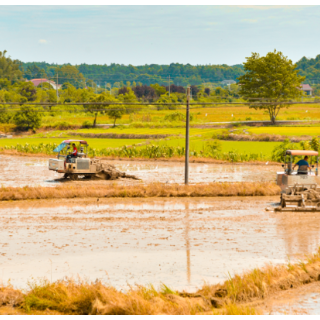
column 21, row 171
column 301, row 300
column 181, row 243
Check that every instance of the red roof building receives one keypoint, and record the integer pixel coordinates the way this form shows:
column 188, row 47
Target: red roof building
column 37, row 82
column 307, row 89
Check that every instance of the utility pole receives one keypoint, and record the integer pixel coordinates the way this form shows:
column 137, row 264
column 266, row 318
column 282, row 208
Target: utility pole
column 57, row 93
column 169, row 85
column 105, row 87
column 186, row 167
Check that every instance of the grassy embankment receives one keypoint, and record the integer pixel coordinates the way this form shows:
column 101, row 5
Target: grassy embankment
column 237, row 295
column 287, row 131
column 141, row 191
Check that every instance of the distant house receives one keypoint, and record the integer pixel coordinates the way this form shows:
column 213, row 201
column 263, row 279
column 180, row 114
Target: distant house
column 37, row 82
column 307, row 89
column 227, row 82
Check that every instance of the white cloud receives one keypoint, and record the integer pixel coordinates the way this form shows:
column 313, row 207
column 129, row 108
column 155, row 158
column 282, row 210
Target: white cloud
column 43, row 41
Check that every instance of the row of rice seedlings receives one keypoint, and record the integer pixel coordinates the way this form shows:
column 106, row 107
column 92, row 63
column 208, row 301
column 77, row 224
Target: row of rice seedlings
column 149, row 151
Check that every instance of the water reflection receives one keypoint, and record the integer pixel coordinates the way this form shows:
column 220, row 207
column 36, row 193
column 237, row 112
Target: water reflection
column 187, row 225
column 149, row 240
column 300, row 231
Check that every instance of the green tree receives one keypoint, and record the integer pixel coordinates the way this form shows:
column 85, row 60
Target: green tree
column 166, row 99
column 27, row 117
column 4, row 114
column 5, row 84
column 35, row 72
column 28, row 90
column 99, row 108
column 71, row 74
column 273, row 78
column 160, row 90
column 9, row 69
column 115, row 112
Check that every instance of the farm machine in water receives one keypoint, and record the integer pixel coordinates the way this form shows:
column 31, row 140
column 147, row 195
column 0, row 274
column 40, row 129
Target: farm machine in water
column 300, row 189
column 82, row 166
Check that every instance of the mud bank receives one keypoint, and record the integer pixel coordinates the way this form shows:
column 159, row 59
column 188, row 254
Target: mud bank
column 181, row 243
column 299, row 301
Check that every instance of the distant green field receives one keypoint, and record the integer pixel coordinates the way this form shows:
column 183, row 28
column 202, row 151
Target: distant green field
column 172, row 131
column 145, row 131
column 240, row 146
column 93, row 143
column 287, row 131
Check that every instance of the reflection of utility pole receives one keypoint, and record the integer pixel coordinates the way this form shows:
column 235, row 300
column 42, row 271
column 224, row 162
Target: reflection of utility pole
column 188, row 243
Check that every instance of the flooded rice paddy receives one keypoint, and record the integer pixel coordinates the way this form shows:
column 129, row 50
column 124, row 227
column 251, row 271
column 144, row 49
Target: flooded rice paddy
column 21, row 171
column 182, row 243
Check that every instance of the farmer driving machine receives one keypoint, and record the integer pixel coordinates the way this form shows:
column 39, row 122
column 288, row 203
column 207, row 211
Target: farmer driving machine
column 300, row 190
column 81, row 165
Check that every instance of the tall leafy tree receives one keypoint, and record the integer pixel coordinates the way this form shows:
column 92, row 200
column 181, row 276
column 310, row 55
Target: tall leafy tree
column 273, row 78
column 28, row 117
column 69, row 73
column 28, row 90
column 115, row 112
column 35, row 72
column 9, row 68
column 99, row 108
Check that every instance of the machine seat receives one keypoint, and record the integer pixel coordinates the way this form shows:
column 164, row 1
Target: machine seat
column 303, row 170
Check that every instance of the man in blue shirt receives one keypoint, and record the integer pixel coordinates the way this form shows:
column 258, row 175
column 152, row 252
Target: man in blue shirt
column 304, row 164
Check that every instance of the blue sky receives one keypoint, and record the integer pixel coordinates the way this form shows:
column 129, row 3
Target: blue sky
column 157, row 34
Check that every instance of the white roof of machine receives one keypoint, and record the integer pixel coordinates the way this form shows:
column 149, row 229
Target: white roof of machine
column 302, row 152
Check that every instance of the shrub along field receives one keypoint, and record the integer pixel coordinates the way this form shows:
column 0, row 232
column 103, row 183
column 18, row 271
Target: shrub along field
column 225, row 150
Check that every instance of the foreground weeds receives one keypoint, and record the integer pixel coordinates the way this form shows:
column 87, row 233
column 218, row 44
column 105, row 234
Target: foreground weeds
column 141, row 191
column 235, row 296
column 261, row 283
column 79, row 297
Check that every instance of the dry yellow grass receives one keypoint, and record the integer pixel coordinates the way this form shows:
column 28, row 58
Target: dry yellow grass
column 79, row 297
column 140, row 190
column 261, row 283
column 232, row 297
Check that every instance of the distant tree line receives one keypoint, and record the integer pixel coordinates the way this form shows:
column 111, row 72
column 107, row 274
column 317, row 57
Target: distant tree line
column 119, row 74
